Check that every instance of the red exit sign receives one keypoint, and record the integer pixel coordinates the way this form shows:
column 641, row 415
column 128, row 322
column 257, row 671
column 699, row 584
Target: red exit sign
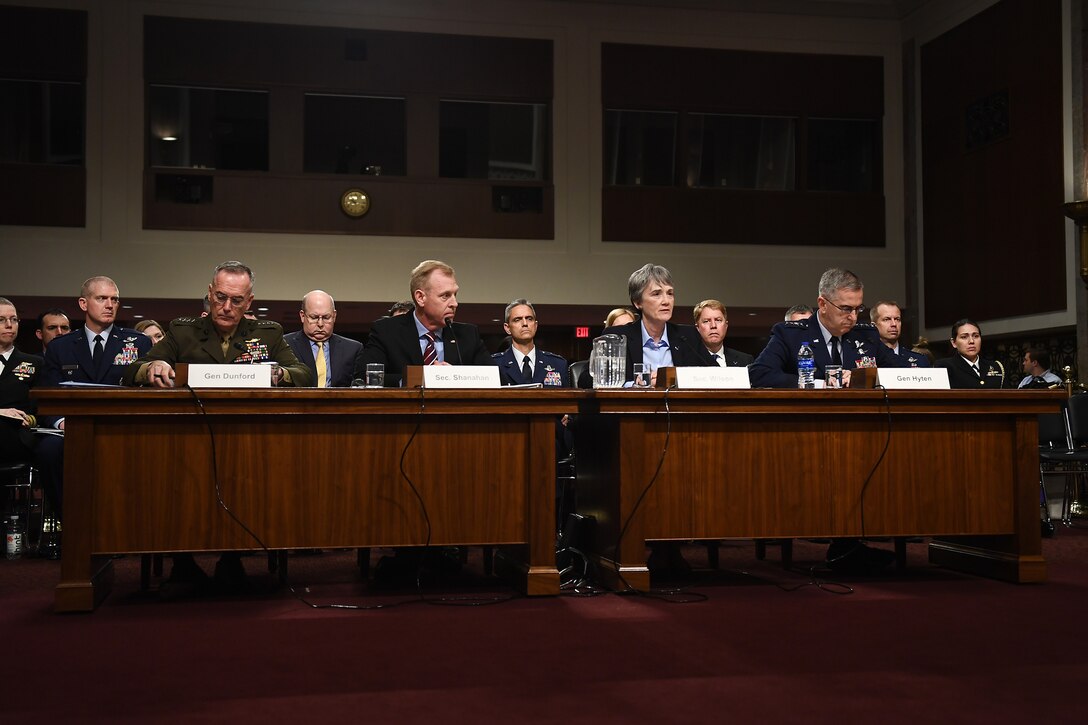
column 581, row 332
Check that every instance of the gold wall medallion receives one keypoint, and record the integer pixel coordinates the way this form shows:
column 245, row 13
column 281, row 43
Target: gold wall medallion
column 355, row 203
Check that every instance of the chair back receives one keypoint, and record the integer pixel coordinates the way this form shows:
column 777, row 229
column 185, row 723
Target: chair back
column 1077, row 410
column 1052, row 433
column 577, row 372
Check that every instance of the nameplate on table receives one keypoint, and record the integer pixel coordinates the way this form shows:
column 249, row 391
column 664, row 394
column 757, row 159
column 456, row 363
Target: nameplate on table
column 202, row 375
column 453, row 377
column 715, row 378
column 913, row 378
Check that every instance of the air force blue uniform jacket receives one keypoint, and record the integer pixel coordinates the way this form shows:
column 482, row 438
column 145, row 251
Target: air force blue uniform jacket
column 776, row 366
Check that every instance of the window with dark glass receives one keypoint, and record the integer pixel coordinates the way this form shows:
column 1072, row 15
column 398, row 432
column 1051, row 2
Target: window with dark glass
column 844, row 155
column 212, row 128
column 640, row 148
column 354, row 135
column 741, row 152
column 482, row 140
column 41, row 122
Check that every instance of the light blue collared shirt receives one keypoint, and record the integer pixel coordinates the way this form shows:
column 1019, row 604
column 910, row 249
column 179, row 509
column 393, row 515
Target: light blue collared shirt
column 656, row 354
column 439, row 346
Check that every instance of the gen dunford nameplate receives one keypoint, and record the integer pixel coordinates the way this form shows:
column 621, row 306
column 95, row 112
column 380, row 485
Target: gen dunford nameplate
column 230, row 376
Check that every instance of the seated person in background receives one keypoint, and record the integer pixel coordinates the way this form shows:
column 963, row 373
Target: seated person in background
column 523, row 362
column 797, row 312
column 329, row 357
column 99, row 351
column 1037, row 370
column 830, row 333
column 653, row 339
column 619, row 317
column 401, row 308
column 712, row 322
column 52, row 323
column 968, row 369
column 887, row 317
column 921, row 346
column 428, row 336
column 224, row 336
column 152, row 329
column 19, row 372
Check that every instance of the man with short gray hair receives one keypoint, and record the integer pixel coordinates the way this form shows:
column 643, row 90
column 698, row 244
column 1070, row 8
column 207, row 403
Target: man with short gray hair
column 830, row 333
column 523, row 362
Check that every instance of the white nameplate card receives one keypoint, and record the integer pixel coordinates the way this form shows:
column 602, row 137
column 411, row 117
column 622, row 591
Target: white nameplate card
column 229, row 376
column 461, row 376
column 913, row 378
column 715, row 378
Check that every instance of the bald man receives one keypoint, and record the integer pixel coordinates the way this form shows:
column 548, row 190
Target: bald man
column 330, row 357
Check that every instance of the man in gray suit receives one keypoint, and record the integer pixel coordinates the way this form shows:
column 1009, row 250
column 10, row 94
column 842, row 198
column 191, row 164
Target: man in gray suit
column 330, row 358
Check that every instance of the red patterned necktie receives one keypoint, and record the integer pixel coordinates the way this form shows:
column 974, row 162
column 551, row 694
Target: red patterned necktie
column 430, row 354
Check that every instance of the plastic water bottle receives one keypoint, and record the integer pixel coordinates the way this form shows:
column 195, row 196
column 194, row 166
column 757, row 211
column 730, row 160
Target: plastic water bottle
column 13, row 538
column 806, row 367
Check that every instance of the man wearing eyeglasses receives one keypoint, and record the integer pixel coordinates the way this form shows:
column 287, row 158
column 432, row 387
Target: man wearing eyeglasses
column 224, row 336
column 330, row 357
column 18, row 373
column 832, row 333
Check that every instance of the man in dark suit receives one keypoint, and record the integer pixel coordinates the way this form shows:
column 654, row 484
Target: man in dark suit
column 967, row 369
column 712, row 323
column 99, row 351
column 330, row 357
column 833, row 333
column 523, row 362
column 427, row 336
column 653, row 339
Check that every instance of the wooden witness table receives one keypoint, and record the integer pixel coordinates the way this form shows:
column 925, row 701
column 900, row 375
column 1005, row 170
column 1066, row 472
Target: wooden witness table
column 304, row 468
column 961, row 466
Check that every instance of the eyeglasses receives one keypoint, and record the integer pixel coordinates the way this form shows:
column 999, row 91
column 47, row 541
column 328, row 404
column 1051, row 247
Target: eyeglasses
column 222, row 299
column 6, row 320
column 859, row 310
column 319, row 318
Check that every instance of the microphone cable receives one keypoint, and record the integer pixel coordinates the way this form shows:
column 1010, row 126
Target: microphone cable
column 667, row 595
column 264, row 548
column 838, row 587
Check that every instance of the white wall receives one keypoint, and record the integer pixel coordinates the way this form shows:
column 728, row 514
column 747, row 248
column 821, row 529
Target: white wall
column 575, row 267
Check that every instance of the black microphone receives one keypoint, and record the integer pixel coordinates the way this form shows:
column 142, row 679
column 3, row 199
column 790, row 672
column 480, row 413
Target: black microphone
column 453, row 341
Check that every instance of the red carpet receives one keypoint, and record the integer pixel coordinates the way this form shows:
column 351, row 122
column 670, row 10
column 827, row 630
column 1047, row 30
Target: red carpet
column 926, row 645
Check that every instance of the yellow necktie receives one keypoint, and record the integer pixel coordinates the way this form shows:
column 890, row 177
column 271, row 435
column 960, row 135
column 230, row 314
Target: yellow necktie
column 322, row 371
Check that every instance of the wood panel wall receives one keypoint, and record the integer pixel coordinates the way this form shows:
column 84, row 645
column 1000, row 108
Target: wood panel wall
column 993, row 228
